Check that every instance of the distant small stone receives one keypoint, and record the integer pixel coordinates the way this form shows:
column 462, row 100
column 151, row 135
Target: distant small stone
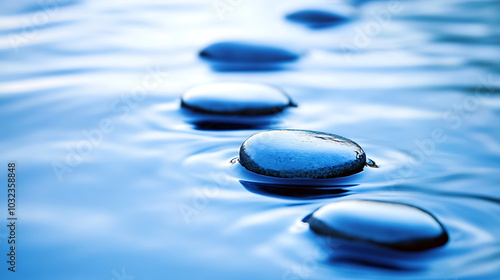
column 316, row 18
column 244, row 52
column 291, row 153
column 245, row 99
column 394, row 225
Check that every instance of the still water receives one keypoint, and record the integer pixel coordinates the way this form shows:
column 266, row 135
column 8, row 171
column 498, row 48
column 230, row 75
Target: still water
column 115, row 180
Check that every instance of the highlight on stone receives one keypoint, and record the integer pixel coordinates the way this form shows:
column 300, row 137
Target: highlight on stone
column 244, row 99
column 392, row 225
column 292, row 153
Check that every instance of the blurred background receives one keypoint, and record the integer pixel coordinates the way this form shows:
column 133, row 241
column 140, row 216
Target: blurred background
column 115, row 181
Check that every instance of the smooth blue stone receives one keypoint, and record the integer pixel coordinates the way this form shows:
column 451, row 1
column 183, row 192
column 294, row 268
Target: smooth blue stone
column 291, row 153
column 244, row 99
column 249, row 53
column 316, row 18
column 393, row 225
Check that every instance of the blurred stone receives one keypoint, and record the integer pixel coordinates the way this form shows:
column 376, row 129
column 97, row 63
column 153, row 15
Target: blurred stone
column 245, row 52
column 316, row 19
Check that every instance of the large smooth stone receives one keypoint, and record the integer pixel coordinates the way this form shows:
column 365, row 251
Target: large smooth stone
column 316, row 18
column 290, row 153
column 245, row 99
column 393, row 225
column 243, row 52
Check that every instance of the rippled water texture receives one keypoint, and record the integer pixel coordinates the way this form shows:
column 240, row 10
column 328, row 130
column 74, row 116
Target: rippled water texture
column 116, row 180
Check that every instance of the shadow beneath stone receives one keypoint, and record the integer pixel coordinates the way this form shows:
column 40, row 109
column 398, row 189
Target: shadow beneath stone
column 221, row 126
column 214, row 122
column 371, row 263
column 296, row 191
column 245, row 67
column 368, row 255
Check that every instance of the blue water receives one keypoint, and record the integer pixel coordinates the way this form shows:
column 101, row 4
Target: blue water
column 115, row 180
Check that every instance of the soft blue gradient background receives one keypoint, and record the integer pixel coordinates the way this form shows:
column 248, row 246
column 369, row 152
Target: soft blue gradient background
column 64, row 68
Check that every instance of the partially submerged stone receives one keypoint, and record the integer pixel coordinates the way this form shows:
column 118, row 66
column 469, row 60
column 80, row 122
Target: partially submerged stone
column 247, row 52
column 244, row 99
column 388, row 224
column 316, row 18
column 290, row 153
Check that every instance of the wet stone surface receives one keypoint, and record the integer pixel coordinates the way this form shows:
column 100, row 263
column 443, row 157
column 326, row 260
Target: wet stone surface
column 392, row 225
column 244, row 99
column 293, row 153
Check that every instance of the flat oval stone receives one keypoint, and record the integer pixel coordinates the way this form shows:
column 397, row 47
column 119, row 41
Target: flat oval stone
column 245, row 99
column 291, row 153
column 243, row 52
column 316, row 18
column 393, row 225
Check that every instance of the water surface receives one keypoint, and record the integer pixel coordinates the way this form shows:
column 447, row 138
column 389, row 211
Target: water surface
column 154, row 195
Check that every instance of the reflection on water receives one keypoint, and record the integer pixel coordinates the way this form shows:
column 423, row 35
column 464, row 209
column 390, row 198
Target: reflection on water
column 295, row 191
column 114, row 178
